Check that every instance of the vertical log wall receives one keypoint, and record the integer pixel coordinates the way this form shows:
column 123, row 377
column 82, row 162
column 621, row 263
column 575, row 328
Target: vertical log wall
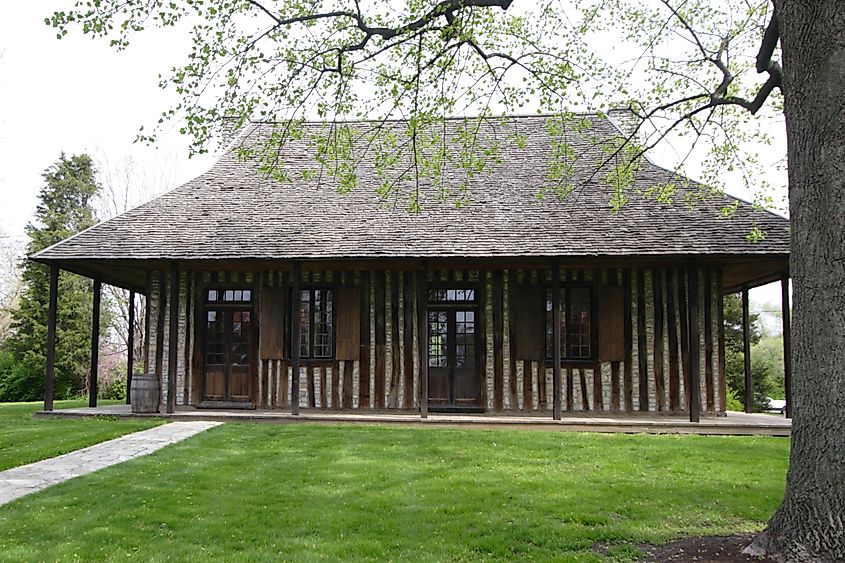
column 652, row 377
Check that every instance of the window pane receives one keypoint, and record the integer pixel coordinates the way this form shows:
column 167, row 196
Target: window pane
column 229, row 295
column 316, row 314
column 579, row 323
column 214, row 338
column 322, row 323
column 451, row 295
column 464, row 339
column 241, row 335
column 436, row 295
column 549, row 320
column 305, row 323
column 437, row 332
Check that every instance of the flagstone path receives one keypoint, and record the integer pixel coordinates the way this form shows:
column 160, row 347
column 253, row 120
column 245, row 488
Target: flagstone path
column 26, row 479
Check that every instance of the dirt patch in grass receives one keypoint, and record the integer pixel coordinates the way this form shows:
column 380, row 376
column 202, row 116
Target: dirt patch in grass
column 703, row 549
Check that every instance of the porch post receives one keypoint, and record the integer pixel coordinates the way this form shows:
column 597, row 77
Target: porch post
column 147, row 317
column 130, row 345
column 173, row 340
column 787, row 342
column 694, row 345
column 556, row 339
column 422, row 308
column 746, row 352
column 296, row 332
column 95, row 344
column 50, row 374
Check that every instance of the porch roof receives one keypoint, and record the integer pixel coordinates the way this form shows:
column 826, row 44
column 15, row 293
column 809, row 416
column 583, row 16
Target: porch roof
column 234, row 212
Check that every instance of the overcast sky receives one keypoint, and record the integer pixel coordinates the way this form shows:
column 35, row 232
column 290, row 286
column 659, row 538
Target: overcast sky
column 78, row 95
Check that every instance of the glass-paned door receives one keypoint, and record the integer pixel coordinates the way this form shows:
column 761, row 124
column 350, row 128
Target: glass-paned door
column 228, row 354
column 452, row 358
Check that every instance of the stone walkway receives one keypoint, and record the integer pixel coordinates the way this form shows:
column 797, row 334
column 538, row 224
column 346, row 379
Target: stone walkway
column 21, row 481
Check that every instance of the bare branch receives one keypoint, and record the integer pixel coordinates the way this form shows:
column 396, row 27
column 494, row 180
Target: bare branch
column 764, row 64
column 446, row 9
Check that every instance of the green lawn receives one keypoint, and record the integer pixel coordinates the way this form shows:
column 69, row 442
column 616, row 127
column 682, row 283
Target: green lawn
column 244, row 492
column 24, row 439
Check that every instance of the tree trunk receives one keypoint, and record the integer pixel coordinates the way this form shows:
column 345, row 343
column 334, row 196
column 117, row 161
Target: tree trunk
column 808, row 526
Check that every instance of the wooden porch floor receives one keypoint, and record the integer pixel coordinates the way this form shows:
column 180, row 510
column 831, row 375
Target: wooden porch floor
column 733, row 424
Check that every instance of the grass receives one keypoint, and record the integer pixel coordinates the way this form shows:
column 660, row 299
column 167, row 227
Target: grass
column 242, row 492
column 24, row 439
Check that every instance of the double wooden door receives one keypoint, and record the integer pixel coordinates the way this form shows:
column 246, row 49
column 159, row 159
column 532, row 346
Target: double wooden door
column 228, row 354
column 453, row 358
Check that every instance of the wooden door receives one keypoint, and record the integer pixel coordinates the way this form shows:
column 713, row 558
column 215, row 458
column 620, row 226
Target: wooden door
column 452, row 358
column 228, row 354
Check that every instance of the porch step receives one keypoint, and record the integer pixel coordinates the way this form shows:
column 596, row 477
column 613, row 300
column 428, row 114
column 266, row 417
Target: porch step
column 455, row 409
column 227, row 405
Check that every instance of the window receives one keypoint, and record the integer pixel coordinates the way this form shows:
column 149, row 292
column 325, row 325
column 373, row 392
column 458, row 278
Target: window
column 576, row 342
column 229, row 296
column 316, row 314
column 451, row 295
column 438, row 331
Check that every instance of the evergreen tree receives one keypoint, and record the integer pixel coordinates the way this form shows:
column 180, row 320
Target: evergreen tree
column 64, row 209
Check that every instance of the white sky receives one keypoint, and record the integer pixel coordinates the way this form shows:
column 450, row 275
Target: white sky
column 79, row 95
column 76, row 95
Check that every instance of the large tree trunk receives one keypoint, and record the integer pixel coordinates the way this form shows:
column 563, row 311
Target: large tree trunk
column 808, row 526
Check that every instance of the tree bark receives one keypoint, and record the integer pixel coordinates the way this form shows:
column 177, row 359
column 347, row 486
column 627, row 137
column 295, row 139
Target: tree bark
column 808, row 526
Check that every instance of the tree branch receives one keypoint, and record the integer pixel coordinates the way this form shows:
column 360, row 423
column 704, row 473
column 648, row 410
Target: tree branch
column 764, row 63
column 767, row 48
column 446, row 8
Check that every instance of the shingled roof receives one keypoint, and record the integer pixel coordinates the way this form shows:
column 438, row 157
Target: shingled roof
column 235, row 212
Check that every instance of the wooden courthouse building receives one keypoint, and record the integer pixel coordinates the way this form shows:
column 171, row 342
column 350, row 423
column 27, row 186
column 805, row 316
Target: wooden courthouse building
column 291, row 295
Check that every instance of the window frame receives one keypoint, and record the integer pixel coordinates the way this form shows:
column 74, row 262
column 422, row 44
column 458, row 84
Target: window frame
column 454, row 303
column 222, row 289
column 567, row 359
column 296, row 308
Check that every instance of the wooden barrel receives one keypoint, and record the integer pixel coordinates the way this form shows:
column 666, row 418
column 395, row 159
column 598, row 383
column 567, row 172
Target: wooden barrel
column 145, row 393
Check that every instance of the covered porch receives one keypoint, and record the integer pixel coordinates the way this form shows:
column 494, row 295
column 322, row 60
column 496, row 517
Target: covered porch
column 736, row 275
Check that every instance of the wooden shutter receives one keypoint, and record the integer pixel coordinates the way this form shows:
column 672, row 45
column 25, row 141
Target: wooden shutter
column 611, row 325
column 348, row 329
column 529, row 322
column 272, row 323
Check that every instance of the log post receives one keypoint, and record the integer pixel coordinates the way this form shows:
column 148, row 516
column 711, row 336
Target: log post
column 694, row 344
column 173, row 340
column 95, row 344
column 50, row 374
column 422, row 307
column 746, row 352
column 130, row 346
column 295, row 337
column 787, row 342
column 556, row 339
column 147, row 317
